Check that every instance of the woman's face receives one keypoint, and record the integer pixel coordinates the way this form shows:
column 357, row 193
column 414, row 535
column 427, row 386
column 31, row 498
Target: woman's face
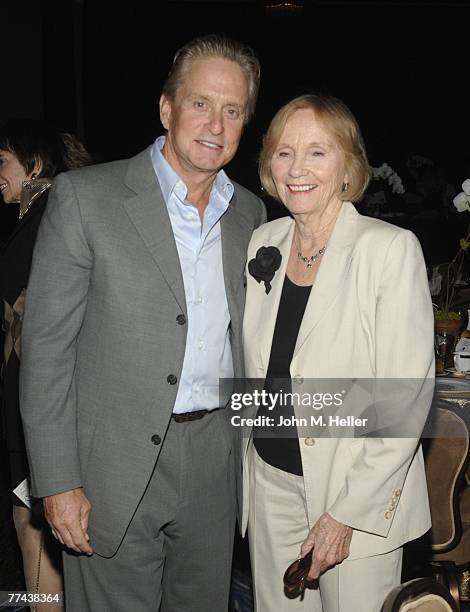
column 12, row 175
column 308, row 167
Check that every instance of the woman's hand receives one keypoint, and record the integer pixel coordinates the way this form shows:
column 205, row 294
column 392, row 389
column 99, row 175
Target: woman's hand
column 330, row 541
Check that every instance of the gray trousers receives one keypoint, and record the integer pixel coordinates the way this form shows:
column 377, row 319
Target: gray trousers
column 176, row 555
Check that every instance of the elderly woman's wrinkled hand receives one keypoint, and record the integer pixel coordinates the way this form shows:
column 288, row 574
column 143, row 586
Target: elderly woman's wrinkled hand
column 330, row 541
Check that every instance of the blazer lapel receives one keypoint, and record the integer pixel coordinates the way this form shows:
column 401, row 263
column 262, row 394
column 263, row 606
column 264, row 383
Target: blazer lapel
column 331, row 273
column 270, row 302
column 148, row 213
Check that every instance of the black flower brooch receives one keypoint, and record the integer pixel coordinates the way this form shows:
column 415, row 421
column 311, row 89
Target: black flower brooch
column 264, row 265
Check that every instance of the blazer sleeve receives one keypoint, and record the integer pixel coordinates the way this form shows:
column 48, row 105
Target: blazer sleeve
column 403, row 350
column 55, row 305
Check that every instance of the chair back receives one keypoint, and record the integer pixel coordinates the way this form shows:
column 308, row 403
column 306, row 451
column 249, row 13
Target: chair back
column 446, row 461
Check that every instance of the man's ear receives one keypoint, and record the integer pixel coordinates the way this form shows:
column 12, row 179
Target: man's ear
column 165, row 111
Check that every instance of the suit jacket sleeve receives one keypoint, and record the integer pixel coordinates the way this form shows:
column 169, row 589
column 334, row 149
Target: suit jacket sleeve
column 55, row 305
column 404, row 350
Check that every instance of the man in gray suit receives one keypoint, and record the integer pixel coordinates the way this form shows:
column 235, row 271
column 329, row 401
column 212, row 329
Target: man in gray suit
column 134, row 312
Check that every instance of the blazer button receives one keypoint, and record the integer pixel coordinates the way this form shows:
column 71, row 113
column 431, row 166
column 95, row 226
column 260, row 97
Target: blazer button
column 181, row 319
column 309, row 442
column 171, row 379
column 388, row 515
column 156, row 439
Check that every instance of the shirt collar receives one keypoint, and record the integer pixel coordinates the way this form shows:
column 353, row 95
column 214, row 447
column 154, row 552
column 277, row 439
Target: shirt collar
column 170, row 182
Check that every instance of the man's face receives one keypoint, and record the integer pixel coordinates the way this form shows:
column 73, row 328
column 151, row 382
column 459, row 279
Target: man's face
column 205, row 120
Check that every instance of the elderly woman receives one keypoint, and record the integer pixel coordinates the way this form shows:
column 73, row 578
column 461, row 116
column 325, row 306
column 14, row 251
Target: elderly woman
column 332, row 295
column 31, row 153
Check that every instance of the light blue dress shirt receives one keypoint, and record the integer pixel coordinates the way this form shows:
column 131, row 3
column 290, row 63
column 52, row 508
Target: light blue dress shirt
column 208, row 354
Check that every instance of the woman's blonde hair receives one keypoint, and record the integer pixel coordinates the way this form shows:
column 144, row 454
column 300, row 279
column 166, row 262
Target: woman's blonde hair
column 337, row 119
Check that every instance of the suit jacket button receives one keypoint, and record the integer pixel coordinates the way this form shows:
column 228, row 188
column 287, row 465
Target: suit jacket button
column 171, row 379
column 156, row 439
column 181, row 319
column 388, row 515
column 309, row 442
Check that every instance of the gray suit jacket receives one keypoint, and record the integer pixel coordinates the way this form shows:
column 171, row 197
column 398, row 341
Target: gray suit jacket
column 101, row 339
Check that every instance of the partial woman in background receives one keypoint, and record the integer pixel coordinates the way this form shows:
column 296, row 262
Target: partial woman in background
column 31, row 154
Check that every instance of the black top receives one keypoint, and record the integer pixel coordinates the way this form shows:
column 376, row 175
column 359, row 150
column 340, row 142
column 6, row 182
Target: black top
column 279, row 446
column 15, row 263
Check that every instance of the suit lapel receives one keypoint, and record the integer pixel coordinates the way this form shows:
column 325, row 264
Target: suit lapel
column 234, row 241
column 270, row 302
column 331, row 273
column 148, row 213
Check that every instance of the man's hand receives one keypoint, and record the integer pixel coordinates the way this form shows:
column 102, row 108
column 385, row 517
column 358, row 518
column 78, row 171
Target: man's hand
column 330, row 541
column 67, row 514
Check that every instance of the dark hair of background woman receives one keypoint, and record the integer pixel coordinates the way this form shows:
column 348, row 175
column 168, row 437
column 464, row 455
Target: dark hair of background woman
column 34, row 141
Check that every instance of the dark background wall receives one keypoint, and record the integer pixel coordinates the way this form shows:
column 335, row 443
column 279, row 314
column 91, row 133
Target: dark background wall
column 21, row 89
column 96, row 67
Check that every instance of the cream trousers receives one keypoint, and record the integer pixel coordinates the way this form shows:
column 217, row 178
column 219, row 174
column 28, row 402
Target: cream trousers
column 278, row 525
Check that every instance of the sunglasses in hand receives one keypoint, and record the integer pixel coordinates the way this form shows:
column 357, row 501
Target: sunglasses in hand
column 295, row 577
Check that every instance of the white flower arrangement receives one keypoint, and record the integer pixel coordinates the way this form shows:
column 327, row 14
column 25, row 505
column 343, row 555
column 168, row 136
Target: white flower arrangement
column 462, row 199
column 386, row 173
column 445, row 303
column 435, row 282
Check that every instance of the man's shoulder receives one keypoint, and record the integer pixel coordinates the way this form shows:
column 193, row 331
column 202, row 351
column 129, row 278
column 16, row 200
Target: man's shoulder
column 243, row 193
column 97, row 175
column 249, row 204
column 108, row 184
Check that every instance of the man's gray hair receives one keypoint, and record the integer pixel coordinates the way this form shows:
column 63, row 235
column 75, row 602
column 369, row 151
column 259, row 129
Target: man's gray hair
column 214, row 45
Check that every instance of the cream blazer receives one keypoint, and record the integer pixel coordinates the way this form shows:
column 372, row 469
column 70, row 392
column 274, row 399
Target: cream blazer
column 369, row 315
